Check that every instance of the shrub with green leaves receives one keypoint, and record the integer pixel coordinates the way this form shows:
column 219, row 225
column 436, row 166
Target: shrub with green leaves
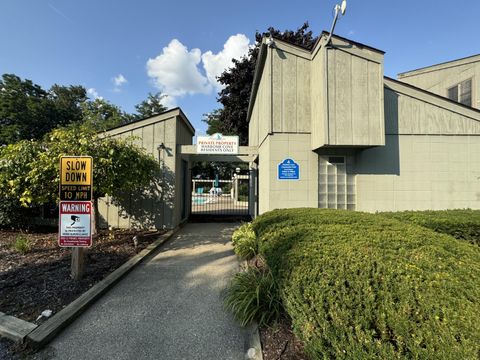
column 362, row 286
column 461, row 224
column 244, row 241
column 253, row 296
column 22, row 244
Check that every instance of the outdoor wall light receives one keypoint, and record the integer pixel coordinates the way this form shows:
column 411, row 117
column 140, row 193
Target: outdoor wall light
column 161, row 146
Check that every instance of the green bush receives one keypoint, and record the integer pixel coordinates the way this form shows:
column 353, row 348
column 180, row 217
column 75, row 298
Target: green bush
column 244, row 241
column 253, row 296
column 461, row 224
column 22, row 244
column 362, row 286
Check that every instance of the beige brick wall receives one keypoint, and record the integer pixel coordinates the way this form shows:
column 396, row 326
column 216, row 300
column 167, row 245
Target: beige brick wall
column 277, row 194
column 420, row 172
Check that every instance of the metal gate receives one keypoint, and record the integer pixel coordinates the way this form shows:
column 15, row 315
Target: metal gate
column 221, row 197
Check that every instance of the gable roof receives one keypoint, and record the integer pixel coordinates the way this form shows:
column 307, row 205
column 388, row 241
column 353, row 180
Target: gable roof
column 301, row 52
column 151, row 120
column 441, row 66
column 431, row 98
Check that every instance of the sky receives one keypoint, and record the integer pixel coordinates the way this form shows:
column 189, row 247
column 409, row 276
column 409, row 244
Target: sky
column 121, row 50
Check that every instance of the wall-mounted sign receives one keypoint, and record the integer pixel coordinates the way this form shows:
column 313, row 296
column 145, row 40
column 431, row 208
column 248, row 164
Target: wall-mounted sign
column 76, row 178
column 288, row 169
column 75, row 228
column 217, row 144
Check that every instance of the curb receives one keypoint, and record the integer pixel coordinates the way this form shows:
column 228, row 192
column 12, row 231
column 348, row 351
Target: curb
column 14, row 328
column 44, row 333
column 253, row 345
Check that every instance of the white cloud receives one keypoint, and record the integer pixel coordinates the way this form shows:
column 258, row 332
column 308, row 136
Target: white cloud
column 178, row 71
column 215, row 64
column 93, row 92
column 118, row 81
column 175, row 71
column 168, row 101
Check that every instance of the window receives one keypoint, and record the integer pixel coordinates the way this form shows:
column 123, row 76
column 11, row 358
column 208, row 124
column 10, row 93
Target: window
column 461, row 92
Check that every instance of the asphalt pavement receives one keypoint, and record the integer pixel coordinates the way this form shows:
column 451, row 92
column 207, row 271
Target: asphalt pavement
column 170, row 307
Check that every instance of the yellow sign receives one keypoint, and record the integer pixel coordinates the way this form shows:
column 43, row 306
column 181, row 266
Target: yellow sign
column 76, row 170
column 76, row 178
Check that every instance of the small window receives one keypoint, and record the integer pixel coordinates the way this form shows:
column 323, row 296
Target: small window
column 336, row 159
column 461, row 92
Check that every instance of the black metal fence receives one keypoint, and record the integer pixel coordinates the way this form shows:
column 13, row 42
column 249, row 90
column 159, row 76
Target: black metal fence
column 221, row 197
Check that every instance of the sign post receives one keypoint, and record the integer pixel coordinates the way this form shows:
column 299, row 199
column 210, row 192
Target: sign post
column 75, row 222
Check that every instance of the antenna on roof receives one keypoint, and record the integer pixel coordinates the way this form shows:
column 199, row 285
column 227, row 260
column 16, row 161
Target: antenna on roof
column 338, row 9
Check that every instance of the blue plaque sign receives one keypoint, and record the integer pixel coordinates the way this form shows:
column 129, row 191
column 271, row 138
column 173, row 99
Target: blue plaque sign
column 288, row 170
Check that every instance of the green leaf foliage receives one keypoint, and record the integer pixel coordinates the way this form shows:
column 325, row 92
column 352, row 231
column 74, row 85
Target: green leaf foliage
column 245, row 242
column 461, row 224
column 29, row 170
column 253, row 296
column 22, row 244
column 151, row 106
column 28, row 112
column 362, row 286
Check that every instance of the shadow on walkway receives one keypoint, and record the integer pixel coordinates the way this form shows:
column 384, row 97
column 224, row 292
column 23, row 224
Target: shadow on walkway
column 170, row 307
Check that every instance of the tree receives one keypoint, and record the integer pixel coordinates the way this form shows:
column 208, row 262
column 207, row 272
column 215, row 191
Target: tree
column 151, row 106
column 29, row 170
column 24, row 109
column 214, row 123
column 102, row 115
column 238, row 81
column 28, row 112
column 67, row 102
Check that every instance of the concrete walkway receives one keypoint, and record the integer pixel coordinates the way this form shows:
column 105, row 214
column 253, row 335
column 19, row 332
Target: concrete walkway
column 167, row 308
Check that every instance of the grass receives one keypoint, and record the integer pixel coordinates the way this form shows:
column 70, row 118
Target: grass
column 22, row 244
column 253, row 296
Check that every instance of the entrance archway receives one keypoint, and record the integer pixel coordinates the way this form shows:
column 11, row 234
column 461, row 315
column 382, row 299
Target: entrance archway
column 222, row 186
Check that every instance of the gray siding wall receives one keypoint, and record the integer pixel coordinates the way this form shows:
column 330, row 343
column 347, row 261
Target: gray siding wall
column 439, row 81
column 291, row 91
column 260, row 120
column 319, row 102
column 431, row 159
column 156, row 207
column 355, row 100
column 406, row 114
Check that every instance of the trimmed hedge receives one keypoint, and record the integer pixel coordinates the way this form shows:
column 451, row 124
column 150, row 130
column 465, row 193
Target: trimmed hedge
column 363, row 286
column 461, row 224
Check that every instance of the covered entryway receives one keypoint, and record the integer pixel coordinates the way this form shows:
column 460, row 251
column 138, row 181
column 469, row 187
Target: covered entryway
column 222, row 186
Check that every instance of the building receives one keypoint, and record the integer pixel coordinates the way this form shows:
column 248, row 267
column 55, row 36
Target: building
column 327, row 129
column 458, row 80
column 166, row 203
column 361, row 141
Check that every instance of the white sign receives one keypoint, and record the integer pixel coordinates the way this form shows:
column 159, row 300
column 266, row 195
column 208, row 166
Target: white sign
column 75, row 224
column 217, row 144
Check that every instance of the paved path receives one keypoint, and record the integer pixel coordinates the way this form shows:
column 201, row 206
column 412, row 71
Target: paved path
column 167, row 308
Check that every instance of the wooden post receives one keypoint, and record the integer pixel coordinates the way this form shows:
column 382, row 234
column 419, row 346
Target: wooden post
column 78, row 263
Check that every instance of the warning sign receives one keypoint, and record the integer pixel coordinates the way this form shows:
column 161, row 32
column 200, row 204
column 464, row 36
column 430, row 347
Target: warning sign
column 76, row 178
column 75, row 228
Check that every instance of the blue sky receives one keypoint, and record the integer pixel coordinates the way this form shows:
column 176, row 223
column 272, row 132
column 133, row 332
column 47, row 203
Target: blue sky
column 124, row 49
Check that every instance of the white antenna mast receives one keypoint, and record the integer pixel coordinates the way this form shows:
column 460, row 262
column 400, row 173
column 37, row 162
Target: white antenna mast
column 338, row 9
